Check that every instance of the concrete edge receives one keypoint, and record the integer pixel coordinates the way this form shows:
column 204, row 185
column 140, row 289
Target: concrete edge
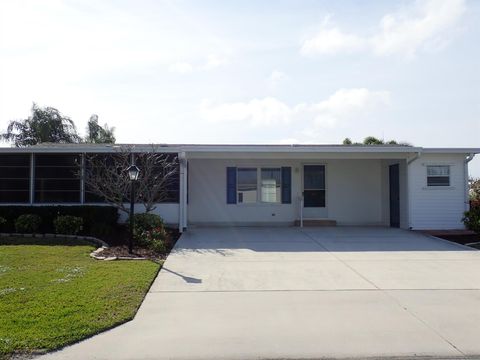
column 91, row 239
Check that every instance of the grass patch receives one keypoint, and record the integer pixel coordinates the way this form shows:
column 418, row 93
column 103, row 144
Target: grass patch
column 53, row 294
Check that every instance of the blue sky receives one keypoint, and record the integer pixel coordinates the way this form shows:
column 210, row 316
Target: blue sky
column 249, row 71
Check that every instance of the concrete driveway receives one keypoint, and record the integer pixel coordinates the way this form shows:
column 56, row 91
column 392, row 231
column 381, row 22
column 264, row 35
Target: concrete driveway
column 257, row 293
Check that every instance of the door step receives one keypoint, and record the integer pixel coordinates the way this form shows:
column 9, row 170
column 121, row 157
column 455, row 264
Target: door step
column 316, row 222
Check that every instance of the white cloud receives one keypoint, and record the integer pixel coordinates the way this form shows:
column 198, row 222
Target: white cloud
column 276, row 77
column 406, row 33
column 215, row 61
column 257, row 112
column 209, row 63
column 181, row 67
column 424, row 25
column 343, row 105
column 331, row 40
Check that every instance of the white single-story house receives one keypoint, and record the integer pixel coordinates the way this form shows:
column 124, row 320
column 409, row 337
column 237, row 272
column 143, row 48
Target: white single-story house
column 218, row 185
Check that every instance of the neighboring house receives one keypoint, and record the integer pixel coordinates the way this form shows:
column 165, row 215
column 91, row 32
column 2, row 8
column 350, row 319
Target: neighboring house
column 382, row 185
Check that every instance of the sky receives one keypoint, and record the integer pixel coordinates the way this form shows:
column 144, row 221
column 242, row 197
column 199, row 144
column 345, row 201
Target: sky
column 269, row 72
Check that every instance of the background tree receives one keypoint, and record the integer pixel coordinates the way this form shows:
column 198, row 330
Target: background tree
column 106, row 176
column 371, row 140
column 474, row 191
column 46, row 124
column 97, row 134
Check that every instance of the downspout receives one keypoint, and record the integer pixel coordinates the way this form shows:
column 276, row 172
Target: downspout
column 412, row 159
column 409, row 161
column 465, row 168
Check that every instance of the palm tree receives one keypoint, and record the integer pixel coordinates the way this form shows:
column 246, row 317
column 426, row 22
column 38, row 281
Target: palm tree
column 45, row 125
column 97, row 134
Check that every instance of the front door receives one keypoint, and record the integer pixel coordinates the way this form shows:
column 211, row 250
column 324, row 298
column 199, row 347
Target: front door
column 314, row 194
column 394, row 180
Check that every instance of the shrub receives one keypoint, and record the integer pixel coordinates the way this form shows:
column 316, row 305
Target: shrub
column 471, row 218
column 147, row 221
column 3, row 221
column 91, row 215
column 155, row 239
column 149, row 231
column 101, row 229
column 68, row 224
column 28, row 223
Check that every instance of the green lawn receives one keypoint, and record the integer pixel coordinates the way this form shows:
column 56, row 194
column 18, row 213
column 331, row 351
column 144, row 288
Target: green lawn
column 52, row 293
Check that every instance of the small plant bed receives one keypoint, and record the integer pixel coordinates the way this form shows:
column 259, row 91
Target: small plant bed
column 52, row 293
column 142, row 251
column 462, row 239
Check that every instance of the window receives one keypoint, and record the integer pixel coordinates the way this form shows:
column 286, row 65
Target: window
column 57, row 178
column 438, row 175
column 247, row 185
column 270, row 185
column 267, row 180
column 14, row 178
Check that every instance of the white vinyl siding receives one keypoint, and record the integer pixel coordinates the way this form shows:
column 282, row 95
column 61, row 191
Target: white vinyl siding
column 436, row 207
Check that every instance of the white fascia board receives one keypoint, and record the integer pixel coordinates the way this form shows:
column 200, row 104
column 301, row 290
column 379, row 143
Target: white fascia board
column 298, row 149
column 190, row 148
column 451, row 150
column 77, row 149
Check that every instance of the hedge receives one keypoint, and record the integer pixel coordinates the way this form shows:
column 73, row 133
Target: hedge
column 94, row 217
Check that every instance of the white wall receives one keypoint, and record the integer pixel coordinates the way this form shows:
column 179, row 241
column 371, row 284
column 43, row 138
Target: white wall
column 168, row 212
column 436, row 207
column 353, row 197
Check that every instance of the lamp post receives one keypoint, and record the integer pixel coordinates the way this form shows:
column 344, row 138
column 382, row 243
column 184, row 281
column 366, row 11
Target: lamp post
column 133, row 172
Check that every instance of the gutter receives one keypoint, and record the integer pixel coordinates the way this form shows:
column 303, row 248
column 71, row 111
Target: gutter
column 417, row 155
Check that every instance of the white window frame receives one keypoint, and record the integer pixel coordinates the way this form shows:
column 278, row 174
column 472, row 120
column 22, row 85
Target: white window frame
column 448, row 166
column 237, row 183
column 259, row 185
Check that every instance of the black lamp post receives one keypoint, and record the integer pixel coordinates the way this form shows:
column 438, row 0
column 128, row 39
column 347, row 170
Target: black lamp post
column 133, row 172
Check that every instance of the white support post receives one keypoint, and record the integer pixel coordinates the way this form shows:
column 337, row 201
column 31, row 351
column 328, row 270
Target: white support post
column 301, row 211
column 182, row 215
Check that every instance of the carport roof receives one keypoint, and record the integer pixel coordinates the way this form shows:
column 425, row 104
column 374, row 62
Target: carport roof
column 236, row 148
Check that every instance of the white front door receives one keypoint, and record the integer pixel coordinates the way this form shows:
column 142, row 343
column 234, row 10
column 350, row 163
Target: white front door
column 314, row 192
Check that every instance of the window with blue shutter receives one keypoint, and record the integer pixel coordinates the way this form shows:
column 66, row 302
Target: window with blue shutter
column 286, row 185
column 231, row 185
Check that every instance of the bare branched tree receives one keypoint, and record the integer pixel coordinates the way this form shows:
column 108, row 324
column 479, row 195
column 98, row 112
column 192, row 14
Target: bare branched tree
column 105, row 175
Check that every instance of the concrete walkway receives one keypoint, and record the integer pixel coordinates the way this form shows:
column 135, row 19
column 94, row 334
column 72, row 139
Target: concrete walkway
column 258, row 293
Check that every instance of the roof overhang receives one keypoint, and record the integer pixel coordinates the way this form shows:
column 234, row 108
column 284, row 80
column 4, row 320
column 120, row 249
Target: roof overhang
column 202, row 149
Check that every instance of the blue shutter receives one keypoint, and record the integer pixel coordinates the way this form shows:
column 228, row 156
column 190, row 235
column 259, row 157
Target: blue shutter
column 286, row 185
column 231, row 185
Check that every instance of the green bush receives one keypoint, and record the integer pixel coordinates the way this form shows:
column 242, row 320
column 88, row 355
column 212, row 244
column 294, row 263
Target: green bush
column 155, row 239
column 145, row 222
column 28, row 223
column 3, row 221
column 471, row 218
column 101, row 229
column 149, row 230
column 68, row 224
column 92, row 216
